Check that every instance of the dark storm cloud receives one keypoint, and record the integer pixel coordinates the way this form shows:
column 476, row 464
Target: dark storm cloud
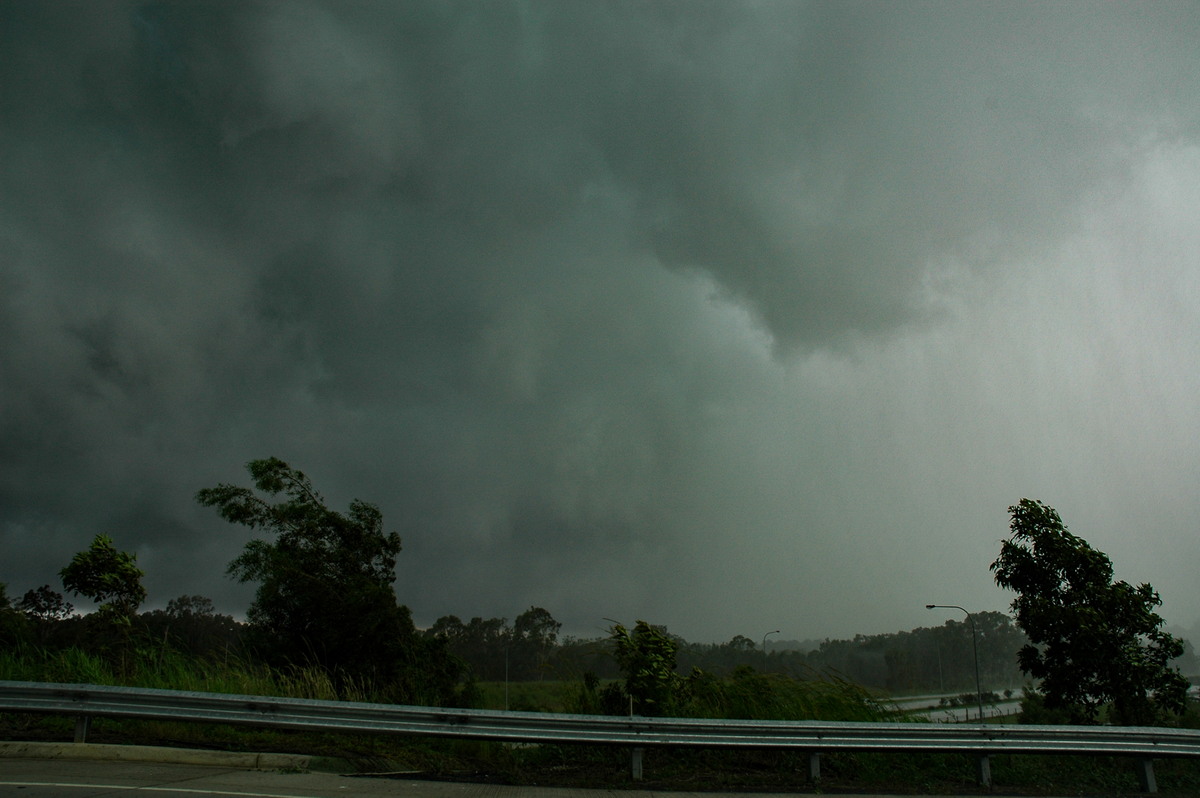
column 555, row 284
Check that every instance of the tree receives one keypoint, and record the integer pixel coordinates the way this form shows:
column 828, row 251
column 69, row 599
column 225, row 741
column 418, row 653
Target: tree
column 14, row 625
column 481, row 644
column 646, row 656
column 108, row 577
column 45, row 605
column 494, row 650
column 45, row 609
column 534, row 637
column 188, row 607
column 325, row 592
column 192, row 625
column 1092, row 641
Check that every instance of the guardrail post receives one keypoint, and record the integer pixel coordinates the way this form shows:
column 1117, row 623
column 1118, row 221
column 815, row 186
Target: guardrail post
column 983, row 769
column 814, row 766
column 1145, row 771
column 82, row 724
column 635, row 763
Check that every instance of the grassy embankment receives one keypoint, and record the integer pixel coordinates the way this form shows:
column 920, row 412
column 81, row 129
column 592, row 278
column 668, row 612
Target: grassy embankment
column 755, row 695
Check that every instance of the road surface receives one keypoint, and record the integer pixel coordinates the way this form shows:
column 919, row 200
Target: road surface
column 59, row 778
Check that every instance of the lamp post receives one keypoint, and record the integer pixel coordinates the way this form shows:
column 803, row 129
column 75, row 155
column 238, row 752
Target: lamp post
column 765, row 641
column 974, row 648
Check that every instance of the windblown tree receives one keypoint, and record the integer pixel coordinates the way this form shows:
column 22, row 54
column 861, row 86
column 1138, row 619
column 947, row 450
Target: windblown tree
column 107, row 576
column 325, row 594
column 111, row 578
column 1093, row 642
column 646, row 656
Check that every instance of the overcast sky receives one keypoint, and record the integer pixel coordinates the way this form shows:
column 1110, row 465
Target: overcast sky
column 732, row 317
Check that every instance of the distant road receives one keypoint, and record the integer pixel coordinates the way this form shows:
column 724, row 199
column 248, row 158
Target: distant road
column 929, row 705
column 48, row 778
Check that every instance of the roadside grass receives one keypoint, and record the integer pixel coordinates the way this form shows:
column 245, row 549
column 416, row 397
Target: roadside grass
column 168, row 669
column 540, row 696
column 749, row 695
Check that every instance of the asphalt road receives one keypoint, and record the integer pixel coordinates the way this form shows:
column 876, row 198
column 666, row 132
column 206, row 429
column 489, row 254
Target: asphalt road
column 41, row 778
column 84, row 770
column 60, row 778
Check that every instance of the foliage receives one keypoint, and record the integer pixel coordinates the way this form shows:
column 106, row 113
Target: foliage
column 43, row 611
column 13, row 624
column 534, row 638
column 1035, row 712
column 166, row 668
column 496, row 651
column 325, row 592
column 45, row 605
column 1093, row 641
column 482, row 645
column 192, row 625
column 646, row 656
column 108, row 577
column 751, row 695
column 924, row 660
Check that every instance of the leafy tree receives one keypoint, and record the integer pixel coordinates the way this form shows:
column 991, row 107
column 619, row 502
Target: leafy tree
column 108, row 577
column 45, row 605
column 494, row 650
column 448, row 627
column 186, row 607
column 741, row 643
column 192, row 624
column 325, row 592
column 534, row 637
column 1093, row 641
column 481, row 643
column 646, row 656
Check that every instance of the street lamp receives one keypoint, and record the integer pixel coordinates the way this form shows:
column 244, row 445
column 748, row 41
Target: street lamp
column 765, row 640
column 974, row 647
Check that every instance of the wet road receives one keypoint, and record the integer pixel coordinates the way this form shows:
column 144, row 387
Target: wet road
column 45, row 778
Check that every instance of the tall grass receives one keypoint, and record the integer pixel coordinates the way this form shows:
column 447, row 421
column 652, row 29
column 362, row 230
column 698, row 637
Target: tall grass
column 540, row 696
column 168, row 669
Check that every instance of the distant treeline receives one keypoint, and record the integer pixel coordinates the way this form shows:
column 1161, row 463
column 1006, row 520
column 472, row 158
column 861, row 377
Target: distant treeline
column 938, row 659
column 934, row 660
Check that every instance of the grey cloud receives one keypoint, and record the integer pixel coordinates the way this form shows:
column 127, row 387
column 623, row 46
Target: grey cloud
column 600, row 302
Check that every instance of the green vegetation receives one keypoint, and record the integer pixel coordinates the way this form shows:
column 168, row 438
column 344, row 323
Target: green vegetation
column 646, row 656
column 108, row 577
column 1094, row 643
column 770, row 696
column 937, row 659
column 651, row 685
column 326, row 624
column 498, row 651
column 167, row 669
column 325, row 589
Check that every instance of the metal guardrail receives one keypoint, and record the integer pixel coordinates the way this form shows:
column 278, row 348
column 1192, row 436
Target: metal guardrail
column 814, row 737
